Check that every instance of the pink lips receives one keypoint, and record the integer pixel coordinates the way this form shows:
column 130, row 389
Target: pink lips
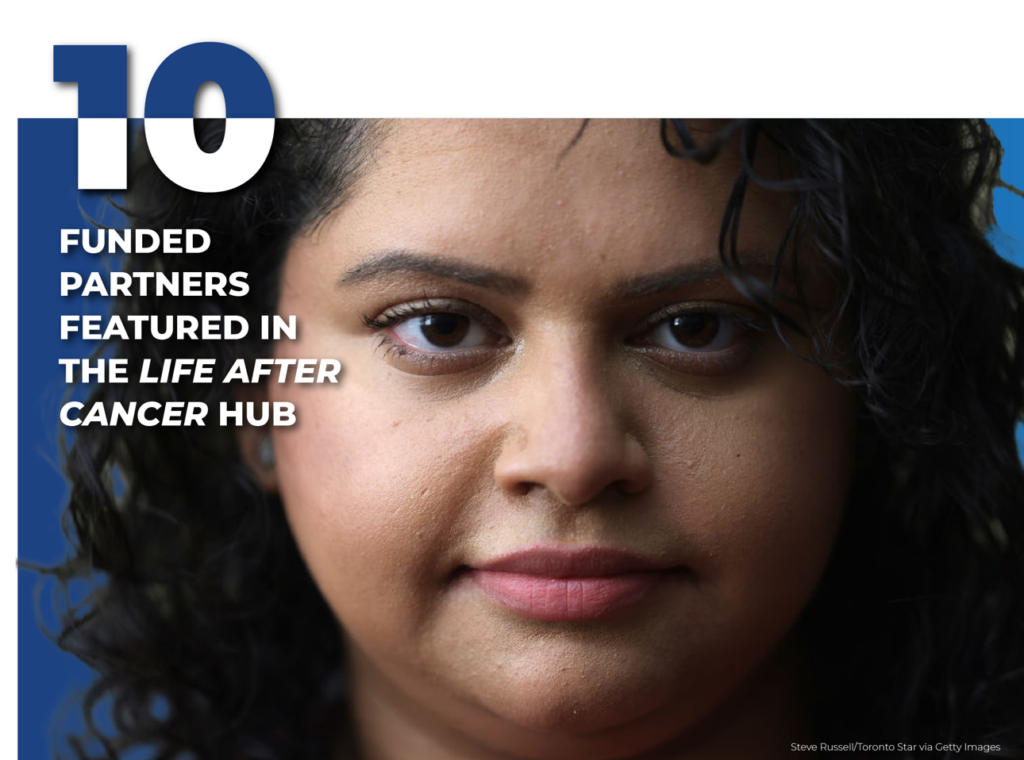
column 568, row 584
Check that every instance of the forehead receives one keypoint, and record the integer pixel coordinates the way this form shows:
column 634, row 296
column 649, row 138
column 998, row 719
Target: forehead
column 548, row 191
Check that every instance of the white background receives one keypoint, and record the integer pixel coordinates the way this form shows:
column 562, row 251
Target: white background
column 528, row 58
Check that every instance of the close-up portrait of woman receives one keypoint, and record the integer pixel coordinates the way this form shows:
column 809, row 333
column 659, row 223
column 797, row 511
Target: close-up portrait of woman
column 676, row 440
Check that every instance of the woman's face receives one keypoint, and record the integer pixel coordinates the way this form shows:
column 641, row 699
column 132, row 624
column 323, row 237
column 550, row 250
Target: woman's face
column 570, row 494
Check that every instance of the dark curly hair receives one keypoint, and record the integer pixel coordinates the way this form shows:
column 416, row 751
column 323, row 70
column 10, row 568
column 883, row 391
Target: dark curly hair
column 212, row 641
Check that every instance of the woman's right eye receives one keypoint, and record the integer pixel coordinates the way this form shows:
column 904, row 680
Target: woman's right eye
column 441, row 332
column 429, row 338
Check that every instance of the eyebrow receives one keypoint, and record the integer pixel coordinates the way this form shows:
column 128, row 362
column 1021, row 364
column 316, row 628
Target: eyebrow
column 688, row 274
column 386, row 263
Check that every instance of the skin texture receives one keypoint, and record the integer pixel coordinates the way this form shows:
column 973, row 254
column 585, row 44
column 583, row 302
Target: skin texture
column 571, row 419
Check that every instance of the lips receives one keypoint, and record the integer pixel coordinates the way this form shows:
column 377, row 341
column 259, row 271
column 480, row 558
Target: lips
column 569, row 584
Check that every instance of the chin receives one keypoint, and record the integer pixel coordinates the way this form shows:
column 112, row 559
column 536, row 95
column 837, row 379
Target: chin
column 575, row 699
column 558, row 723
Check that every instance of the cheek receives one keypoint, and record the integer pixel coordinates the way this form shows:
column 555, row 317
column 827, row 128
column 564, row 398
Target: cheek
column 763, row 488
column 373, row 492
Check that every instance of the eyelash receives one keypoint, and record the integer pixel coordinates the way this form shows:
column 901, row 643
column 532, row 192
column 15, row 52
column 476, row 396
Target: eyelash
column 443, row 362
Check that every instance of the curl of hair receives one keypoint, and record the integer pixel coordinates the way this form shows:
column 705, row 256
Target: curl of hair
column 916, row 633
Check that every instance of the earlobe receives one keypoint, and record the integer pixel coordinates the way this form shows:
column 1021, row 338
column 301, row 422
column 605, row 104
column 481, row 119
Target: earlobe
column 256, row 447
column 266, row 452
column 256, row 444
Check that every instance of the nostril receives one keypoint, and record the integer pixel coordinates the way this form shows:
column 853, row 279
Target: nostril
column 630, row 487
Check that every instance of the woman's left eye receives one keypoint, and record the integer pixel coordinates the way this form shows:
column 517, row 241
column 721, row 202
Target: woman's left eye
column 697, row 332
column 707, row 342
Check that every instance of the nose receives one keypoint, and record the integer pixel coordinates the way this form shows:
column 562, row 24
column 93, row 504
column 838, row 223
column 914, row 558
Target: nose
column 570, row 435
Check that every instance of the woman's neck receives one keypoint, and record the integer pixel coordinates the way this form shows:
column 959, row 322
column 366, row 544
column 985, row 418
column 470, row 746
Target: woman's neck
column 761, row 720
